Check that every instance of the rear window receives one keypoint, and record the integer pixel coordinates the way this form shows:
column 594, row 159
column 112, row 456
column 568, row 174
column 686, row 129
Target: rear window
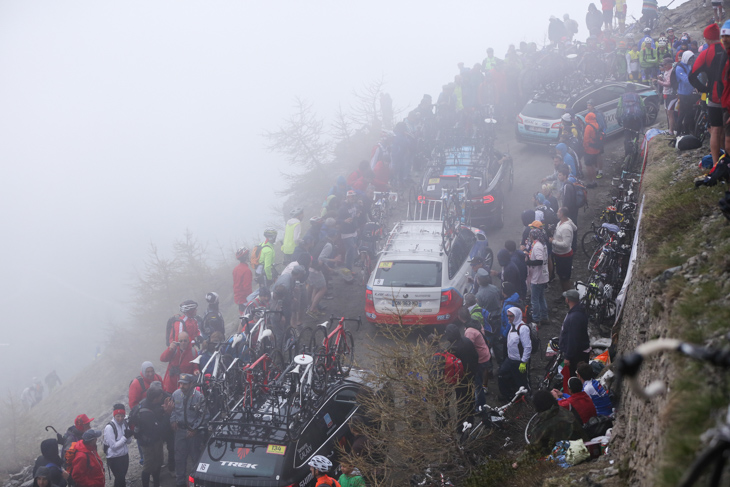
column 408, row 274
column 238, row 461
column 543, row 109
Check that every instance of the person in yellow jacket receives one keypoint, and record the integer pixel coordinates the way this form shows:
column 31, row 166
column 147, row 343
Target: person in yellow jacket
column 292, row 234
column 649, row 61
column 632, row 58
column 265, row 268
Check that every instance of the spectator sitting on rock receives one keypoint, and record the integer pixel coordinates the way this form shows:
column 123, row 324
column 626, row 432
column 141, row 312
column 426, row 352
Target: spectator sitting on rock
column 42, row 478
column 577, row 400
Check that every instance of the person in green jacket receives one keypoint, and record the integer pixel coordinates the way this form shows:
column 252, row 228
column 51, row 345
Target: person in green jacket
column 265, row 269
column 648, row 61
column 292, row 233
column 663, row 49
column 351, row 477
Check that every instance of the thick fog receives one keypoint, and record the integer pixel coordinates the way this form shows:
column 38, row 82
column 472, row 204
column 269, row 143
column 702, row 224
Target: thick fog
column 125, row 123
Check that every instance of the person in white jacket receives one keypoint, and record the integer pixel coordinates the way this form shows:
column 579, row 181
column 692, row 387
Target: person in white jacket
column 538, row 275
column 117, row 436
column 562, row 241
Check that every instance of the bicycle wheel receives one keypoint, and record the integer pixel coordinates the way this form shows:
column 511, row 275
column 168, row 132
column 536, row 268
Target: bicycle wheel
column 319, row 338
column 376, row 212
column 304, row 342
column 216, row 449
column 276, row 366
column 528, row 433
column 289, row 344
column 344, row 352
column 489, row 258
column 319, row 379
column 589, row 242
column 519, row 414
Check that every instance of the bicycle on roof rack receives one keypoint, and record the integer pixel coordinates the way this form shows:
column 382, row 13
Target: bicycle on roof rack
column 259, row 337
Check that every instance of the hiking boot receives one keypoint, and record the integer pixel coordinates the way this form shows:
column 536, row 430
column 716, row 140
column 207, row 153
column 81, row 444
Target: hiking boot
column 599, row 175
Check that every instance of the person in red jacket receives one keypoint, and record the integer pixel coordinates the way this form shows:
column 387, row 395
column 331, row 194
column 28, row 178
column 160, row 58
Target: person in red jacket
column 242, row 279
column 187, row 322
column 87, row 469
column 725, row 99
column 711, row 62
column 178, row 356
column 139, row 385
column 592, row 146
column 578, row 400
column 360, row 177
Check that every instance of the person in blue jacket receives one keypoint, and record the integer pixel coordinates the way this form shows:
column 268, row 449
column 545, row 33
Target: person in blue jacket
column 685, row 93
column 568, row 159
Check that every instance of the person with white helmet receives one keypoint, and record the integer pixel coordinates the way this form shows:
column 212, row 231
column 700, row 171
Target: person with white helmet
column 242, row 279
column 319, row 465
column 292, row 233
column 685, row 93
column 213, row 319
column 188, row 322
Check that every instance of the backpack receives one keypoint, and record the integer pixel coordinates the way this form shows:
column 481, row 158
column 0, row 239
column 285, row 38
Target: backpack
column 213, row 321
column 581, row 193
column 70, row 455
column 673, row 78
column 453, row 367
column 133, row 419
column 597, row 426
column 168, row 329
column 256, row 255
column 534, row 339
column 631, row 106
column 139, row 379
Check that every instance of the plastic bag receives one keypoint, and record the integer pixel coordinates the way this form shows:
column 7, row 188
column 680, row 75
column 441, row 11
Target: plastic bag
column 576, row 453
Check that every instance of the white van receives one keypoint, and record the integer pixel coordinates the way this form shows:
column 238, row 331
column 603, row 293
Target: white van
column 416, row 282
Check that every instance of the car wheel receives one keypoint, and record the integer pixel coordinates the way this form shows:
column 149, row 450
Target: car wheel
column 489, row 258
column 652, row 111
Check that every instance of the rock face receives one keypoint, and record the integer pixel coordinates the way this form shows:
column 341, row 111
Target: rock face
column 24, row 478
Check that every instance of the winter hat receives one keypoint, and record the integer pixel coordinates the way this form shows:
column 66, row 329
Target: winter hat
column 725, row 31
column 145, row 366
column 711, row 32
column 687, row 56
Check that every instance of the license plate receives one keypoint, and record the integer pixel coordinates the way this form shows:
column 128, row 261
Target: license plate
column 406, row 304
column 537, row 129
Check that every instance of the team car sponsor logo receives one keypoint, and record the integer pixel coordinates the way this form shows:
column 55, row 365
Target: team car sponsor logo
column 239, row 465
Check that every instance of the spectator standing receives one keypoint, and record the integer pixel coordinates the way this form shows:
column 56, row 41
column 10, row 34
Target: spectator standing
column 187, row 420
column 711, row 62
column 464, row 350
column 562, row 241
column 52, row 380
column 621, row 9
column 574, row 342
column 649, row 61
column 513, row 370
column 74, row 433
column 649, row 13
column 488, row 295
column 538, row 276
column 139, row 385
column 719, row 11
column 178, row 356
column 568, row 197
column 592, row 146
column 556, row 30
column 665, row 81
column 265, row 268
column 87, row 469
column 213, row 319
column 242, row 279
column 685, row 92
column 293, row 232
column 349, row 219
column 117, row 436
column 607, row 7
column 475, row 334
column 490, row 61
column 150, row 432
column 188, row 322
column 510, row 272
column 571, row 26
column 594, row 20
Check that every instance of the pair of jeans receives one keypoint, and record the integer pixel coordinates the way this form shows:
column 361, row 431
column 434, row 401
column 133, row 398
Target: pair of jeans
column 185, row 447
column 510, row 378
column 481, row 398
column 119, row 467
column 538, row 301
column 350, row 244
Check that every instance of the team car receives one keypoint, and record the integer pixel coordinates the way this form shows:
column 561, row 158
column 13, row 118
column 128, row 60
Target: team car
column 423, row 273
column 475, row 179
column 261, row 446
column 539, row 122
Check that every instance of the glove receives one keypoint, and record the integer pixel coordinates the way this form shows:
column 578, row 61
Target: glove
column 128, row 433
column 523, row 367
column 59, row 438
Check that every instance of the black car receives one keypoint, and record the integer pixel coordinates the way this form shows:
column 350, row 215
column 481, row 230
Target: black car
column 261, row 446
column 474, row 179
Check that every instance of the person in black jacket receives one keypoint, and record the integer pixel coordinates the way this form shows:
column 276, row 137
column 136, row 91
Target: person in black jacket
column 511, row 273
column 51, row 461
column 464, row 350
column 574, row 341
column 151, row 430
column 42, row 478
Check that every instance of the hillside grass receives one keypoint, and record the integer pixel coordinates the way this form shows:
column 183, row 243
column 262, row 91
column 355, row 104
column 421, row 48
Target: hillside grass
column 681, row 222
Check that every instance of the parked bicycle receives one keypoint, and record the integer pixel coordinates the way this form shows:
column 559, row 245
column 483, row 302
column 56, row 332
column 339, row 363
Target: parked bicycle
column 335, row 349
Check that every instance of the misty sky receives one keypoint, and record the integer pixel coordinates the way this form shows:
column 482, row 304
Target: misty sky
column 124, row 123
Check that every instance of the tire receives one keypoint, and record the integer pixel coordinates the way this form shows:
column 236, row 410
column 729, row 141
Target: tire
column 319, row 379
column 519, row 414
column 324, row 359
column 527, row 428
column 591, row 241
column 304, row 341
column 318, row 338
column 652, row 112
column 219, row 447
column 289, row 344
column 344, row 353
column 276, row 367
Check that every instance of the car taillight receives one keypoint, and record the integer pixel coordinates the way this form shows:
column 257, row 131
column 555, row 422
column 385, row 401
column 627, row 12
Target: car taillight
column 488, row 199
column 556, row 125
column 519, row 119
column 446, row 296
column 368, row 295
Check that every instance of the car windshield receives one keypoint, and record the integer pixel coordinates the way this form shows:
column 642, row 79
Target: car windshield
column 408, row 274
column 543, row 109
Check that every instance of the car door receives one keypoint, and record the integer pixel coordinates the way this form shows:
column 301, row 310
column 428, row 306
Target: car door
column 609, row 98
